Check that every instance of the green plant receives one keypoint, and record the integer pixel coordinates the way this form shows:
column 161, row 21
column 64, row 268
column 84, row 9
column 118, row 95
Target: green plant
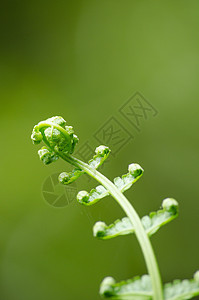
column 60, row 141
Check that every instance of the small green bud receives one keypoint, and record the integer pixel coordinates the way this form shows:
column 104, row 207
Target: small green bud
column 170, row 204
column 135, row 170
column 82, row 196
column 64, row 178
column 196, row 276
column 47, row 156
column 36, row 136
column 102, row 150
column 98, row 229
column 102, row 153
column 106, row 288
column 69, row 177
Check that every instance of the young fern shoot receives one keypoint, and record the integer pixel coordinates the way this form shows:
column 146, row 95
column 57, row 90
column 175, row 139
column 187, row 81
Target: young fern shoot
column 60, row 142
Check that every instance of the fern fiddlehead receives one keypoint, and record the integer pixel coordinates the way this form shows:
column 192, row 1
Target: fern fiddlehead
column 60, row 141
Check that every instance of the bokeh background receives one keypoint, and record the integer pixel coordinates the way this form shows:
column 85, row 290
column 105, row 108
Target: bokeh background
column 83, row 60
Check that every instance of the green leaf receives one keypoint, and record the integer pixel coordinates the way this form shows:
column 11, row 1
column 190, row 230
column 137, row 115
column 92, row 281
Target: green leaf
column 126, row 181
column 69, row 177
column 102, row 152
column 138, row 288
column 94, row 196
column 182, row 289
column 151, row 223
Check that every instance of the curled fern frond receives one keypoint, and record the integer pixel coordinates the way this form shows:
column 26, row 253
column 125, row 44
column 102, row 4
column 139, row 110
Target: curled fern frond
column 56, row 134
column 102, row 153
column 182, row 289
column 69, row 177
column 61, row 141
column 47, row 156
column 138, row 288
column 156, row 220
column 119, row 227
column 36, row 135
column 94, row 196
column 126, row 181
column 151, row 223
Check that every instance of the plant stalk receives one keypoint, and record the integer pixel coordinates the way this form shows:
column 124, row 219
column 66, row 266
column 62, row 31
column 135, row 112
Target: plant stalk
column 140, row 232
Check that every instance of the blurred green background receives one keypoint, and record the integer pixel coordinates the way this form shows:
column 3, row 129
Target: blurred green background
column 83, row 60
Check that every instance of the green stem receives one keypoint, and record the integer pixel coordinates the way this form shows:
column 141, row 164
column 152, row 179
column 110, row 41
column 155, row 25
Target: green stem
column 140, row 232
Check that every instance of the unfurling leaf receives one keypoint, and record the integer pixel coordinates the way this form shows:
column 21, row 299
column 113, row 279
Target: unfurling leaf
column 138, row 288
column 119, row 227
column 69, row 177
column 156, row 220
column 151, row 223
column 60, row 141
column 182, row 289
column 102, row 152
column 47, row 156
column 36, row 135
column 56, row 134
column 126, row 181
column 94, row 196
